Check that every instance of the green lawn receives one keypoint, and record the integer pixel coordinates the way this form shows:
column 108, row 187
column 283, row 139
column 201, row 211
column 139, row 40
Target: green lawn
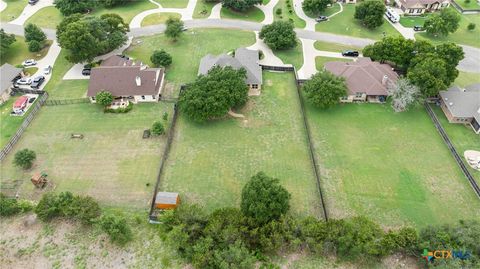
column 189, row 49
column 210, row 163
column 203, row 9
column 464, row 5
column 286, row 15
column 462, row 137
column 465, row 79
column 411, row 21
column 345, row 24
column 391, row 167
column 253, row 14
column 320, row 61
column 18, row 52
column 13, row 10
column 159, row 18
column 292, row 56
column 334, row 47
column 9, row 124
column 58, row 88
column 331, row 10
column 173, row 3
column 112, row 162
column 462, row 35
column 48, row 17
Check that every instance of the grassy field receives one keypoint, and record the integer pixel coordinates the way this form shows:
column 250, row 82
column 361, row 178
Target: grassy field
column 189, row 49
column 253, row 14
column 18, row 52
column 462, row 137
column 320, row 61
column 9, row 124
column 111, row 163
column 471, row 5
column 13, row 10
column 203, row 9
column 291, row 56
column 173, row 3
column 462, row 35
column 465, row 79
column 48, row 17
column 286, row 15
column 159, row 18
column 411, row 21
column 345, row 24
column 391, row 167
column 334, row 47
column 209, row 163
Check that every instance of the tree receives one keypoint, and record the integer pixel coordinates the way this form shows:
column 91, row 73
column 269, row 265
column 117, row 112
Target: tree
column 5, row 41
column 157, row 128
column 324, row 89
column 33, row 32
column 471, row 26
column 117, row 228
column 240, row 5
column 24, row 158
column 264, row 199
column 370, row 12
column 443, row 23
column 213, row 95
column 394, row 49
column 174, row 28
column 403, row 94
column 315, row 7
column 112, row 3
column 161, row 58
column 429, row 73
column 34, row 46
column 452, row 54
column 104, row 98
column 69, row 7
column 279, row 35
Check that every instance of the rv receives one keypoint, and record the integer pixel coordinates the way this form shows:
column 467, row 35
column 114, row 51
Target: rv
column 392, row 15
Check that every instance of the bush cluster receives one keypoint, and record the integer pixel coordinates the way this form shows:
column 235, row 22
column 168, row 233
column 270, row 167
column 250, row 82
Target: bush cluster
column 82, row 208
column 119, row 110
column 117, row 228
column 35, row 37
column 11, row 206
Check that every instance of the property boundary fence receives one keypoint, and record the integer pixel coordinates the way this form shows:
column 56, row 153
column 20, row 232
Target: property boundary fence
column 27, row 91
column 66, row 102
column 464, row 11
column 8, row 147
column 452, row 149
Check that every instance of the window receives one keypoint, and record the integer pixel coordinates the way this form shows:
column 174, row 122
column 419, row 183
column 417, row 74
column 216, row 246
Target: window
column 143, row 97
column 153, row 97
column 344, row 98
column 411, row 11
column 359, row 95
column 419, row 10
column 93, row 98
column 254, row 86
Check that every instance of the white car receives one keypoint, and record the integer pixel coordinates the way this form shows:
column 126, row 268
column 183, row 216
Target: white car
column 29, row 62
column 47, row 69
column 24, row 81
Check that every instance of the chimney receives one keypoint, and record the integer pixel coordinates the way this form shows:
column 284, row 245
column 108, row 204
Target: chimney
column 138, row 80
column 384, row 80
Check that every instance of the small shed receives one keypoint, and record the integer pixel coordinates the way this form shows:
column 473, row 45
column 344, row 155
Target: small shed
column 167, row 200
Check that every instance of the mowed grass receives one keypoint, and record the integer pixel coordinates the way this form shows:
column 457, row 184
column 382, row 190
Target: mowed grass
column 391, row 167
column 461, row 36
column 13, row 10
column 203, row 9
column 173, row 3
column 292, row 56
column 18, row 52
column 253, row 14
column 189, row 49
column 411, row 21
column 286, row 15
column 159, row 18
column 320, row 61
column 334, row 47
column 47, row 17
column 345, row 24
column 112, row 162
column 466, row 78
column 9, row 124
column 470, row 5
column 462, row 137
column 210, row 163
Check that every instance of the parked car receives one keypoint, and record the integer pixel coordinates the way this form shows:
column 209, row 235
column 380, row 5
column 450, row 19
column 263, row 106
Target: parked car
column 32, row 2
column 15, row 79
column 37, row 82
column 31, row 100
column 24, row 81
column 86, row 71
column 47, row 69
column 417, row 28
column 29, row 62
column 350, row 53
column 321, row 18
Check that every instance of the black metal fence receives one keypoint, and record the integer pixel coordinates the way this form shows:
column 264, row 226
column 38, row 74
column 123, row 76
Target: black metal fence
column 66, row 102
column 8, row 147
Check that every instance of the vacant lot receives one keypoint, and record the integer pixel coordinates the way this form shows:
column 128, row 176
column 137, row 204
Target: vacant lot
column 391, row 167
column 111, row 163
column 210, row 163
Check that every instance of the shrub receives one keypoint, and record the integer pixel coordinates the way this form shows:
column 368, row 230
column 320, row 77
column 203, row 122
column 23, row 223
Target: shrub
column 165, row 116
column 48, row 207
column 65, row 204
column 11, row 206
column 240, row 5
column 467, row 1
column 33, row 32
column 104, row 98
column 24, row 158
column 161, row 58
column 116, row 228
column 157, row 128
column 278, row 11
column 279, row 35
column 34, row 46
column 324, row 89
column 471, row 26
column 83, row 208
column 119, row 110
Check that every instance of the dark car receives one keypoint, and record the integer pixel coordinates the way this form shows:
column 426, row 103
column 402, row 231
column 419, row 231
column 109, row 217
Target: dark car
column 87, row 69
column 32, row 2
column 321, row 18
column 31, row 100
column 37, row 82
column 417, row 28
column 351, row 53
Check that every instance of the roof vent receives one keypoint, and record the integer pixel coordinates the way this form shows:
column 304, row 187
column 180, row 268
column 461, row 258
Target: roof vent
column 450, row 104
column 138, row 80
column 143, row 67
column 384, row 80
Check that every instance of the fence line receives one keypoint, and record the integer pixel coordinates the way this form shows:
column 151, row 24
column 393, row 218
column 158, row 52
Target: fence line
column 452, row 149
column 8, row 147
column 66, row 101
column 464, row 11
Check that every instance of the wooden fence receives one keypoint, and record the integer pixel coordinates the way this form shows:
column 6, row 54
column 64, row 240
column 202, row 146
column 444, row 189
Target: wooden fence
column 66, row 102
column 8, row 147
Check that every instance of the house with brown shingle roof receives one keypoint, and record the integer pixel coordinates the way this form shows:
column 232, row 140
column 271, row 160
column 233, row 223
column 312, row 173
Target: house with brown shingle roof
column 366, row 80
column 418, row 7
column 126, row 79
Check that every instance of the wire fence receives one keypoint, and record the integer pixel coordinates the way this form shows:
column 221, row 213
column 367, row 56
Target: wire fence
column 66, row 102
column 464, row 11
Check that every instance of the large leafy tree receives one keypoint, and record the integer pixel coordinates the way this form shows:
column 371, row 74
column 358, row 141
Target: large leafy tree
column 443, row 23
column 429, row 73
column 392, row 49
column 33, row 32
column 370, row 13
column 264, row 199
column 324, row 89
column 452, row 54
column 24, row 158
column 161, row 58
column 315, row 7
column 212, row 95
column 240, row 5
column 174, row 28
column 112, row 3
column 87, row 37
column 69, row 7
column 279, row 35
column 5, row 41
